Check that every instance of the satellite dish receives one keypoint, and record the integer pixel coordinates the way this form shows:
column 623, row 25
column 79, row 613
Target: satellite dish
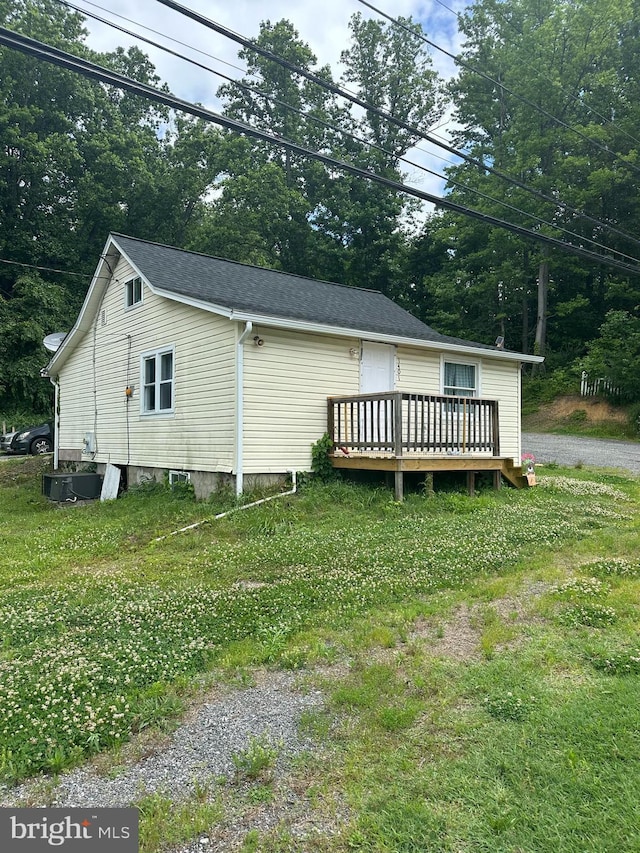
column 52, row 342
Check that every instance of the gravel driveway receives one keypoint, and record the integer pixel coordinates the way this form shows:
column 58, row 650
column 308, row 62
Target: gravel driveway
column 571, row 450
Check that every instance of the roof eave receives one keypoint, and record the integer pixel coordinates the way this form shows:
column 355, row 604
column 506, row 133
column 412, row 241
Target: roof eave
column 324, row 329
column 92, row 301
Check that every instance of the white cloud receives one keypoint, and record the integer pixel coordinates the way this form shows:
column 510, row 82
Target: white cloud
column 322, row 24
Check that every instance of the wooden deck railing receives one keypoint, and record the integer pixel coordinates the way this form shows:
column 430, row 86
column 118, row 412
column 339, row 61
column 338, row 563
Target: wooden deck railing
column 401, row 424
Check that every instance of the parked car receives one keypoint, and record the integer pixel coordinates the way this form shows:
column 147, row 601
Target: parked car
column 5, row 441
column 35, row 439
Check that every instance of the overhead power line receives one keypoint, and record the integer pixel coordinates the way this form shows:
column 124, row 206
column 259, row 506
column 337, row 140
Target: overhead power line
column 341, row 131
column 501, row 86
column 68, row 61
column 536, row 67
column 502, row 175
column 84, row 11
column 338, row 90
column 44, row 269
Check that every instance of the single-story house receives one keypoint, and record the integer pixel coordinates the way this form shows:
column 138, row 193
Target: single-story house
column 221, row 372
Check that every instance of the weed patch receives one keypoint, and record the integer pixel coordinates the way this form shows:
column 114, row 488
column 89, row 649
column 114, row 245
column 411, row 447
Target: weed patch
column 164, row 823
column 258, row 759
column 591, row 615
column 619, row 662
column 502, row 746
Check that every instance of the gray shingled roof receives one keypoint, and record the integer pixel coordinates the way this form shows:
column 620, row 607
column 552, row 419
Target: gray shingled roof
column 266, row 292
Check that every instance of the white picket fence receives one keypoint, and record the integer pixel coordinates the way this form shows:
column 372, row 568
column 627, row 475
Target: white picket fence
column 600, row 386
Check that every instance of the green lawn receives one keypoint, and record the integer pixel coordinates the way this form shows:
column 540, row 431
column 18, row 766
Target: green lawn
column 524, row 739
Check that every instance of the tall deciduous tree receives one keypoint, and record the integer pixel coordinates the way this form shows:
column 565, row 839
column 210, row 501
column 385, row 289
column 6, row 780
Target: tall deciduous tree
column 553, row 59
column 77, row 160
column 391, row 70
column 35, row 309
column 331, row 225
column 267, row 196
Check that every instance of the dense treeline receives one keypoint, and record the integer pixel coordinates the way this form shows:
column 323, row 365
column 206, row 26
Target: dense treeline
column 78, row 160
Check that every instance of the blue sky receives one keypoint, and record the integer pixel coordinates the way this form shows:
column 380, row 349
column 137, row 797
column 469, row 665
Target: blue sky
column 323, row 24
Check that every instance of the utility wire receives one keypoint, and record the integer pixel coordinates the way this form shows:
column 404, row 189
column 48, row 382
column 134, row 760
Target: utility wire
column 332, row 87
column 344, row 132
column 54, row 55
column 84, row 11
column 252, row 89
column 469, row 67
column 544, row 77
column 551, row 82
column 44, row 269
column 556, row 202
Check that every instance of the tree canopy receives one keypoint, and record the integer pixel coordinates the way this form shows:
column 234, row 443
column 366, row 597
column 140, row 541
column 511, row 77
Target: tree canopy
column 546, row 110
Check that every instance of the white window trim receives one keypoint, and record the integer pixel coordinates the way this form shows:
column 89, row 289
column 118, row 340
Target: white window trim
column 179, row 477
column 128, row 282
column 451, row 359
column 156, row 353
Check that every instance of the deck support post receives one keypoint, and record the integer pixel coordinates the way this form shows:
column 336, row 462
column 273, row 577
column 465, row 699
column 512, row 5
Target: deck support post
column 471, row 483
column 399, row 485
column 497, row 480
column 428, row 484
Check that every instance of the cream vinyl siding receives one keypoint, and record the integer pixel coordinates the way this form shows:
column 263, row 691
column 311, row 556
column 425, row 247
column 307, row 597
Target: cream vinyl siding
column 287, row 382
column 74, row 397
column 199, row 433
column 419, row 371
column 500, row 380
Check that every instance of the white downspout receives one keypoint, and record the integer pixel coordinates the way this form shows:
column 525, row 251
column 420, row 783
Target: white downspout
column 56, row 424
column 240, row 407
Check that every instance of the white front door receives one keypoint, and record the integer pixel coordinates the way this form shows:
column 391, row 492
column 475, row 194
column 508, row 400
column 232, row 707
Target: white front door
column 377, row 374
column 377, row 368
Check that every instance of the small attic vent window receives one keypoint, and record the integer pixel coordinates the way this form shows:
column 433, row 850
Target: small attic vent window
column 133, row 292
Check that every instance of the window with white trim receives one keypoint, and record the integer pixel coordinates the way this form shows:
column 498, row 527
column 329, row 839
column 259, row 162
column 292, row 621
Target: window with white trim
column 460, row 379
column 179, row 477
column 133, row 292
column 157, row 382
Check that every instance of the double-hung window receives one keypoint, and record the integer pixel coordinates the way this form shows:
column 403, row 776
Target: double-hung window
column 133, row 292
column 460, row 379
column 157, row 381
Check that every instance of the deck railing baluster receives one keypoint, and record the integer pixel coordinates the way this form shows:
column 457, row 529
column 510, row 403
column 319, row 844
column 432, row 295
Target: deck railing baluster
column 398, row 423
column 446, row 426
column 425, row 422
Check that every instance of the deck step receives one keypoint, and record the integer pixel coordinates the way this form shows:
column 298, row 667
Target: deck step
column 513, row 473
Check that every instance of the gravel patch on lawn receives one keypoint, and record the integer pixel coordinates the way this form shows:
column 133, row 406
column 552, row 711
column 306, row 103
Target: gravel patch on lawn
column 199, row 751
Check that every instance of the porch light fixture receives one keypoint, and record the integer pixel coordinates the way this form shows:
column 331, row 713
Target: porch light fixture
column 258, row 341
column 353, row 352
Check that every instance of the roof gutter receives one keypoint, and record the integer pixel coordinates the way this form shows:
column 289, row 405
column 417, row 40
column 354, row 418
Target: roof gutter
column 239, row 462
column 309, row 326
column 368, row 335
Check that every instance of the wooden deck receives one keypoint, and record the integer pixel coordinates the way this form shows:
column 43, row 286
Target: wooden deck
column 399, row 432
